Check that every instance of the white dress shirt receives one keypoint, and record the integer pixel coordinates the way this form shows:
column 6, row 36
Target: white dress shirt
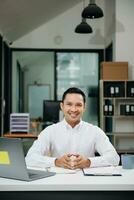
column 84, row 139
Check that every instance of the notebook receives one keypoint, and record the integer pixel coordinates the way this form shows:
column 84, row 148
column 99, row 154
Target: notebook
column 101, row 171
column 12, row 162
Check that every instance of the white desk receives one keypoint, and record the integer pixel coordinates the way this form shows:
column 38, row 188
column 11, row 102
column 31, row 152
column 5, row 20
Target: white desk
column 66, row 183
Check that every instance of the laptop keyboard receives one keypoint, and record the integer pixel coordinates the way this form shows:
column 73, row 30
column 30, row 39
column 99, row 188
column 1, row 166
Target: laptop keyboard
column 32, row 173
column 39, row 173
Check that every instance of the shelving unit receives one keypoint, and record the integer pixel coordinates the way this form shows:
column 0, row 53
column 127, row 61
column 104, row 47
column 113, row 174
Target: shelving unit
column 117, row 113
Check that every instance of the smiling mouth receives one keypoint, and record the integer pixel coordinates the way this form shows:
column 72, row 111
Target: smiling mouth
column 73, row 115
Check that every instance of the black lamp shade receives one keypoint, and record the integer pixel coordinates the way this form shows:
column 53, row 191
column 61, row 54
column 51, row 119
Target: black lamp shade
column 83, row 27
column 92, row 11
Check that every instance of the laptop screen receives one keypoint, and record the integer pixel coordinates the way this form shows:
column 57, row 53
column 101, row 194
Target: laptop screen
column 12, row 161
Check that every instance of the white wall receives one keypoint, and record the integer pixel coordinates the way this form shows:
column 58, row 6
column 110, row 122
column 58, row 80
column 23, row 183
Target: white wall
column 124, row 44
column 109, row 27
column 59, row 32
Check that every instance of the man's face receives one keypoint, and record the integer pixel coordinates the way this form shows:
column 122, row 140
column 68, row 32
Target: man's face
column 73, row 108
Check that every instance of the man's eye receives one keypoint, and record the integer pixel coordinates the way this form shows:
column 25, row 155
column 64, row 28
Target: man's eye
column 79, row 105
column 68, row 104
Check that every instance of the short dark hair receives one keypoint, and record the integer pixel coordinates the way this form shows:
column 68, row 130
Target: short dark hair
column 74, row 90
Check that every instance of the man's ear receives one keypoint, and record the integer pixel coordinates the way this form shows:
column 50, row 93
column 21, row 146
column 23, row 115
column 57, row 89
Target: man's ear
column 85, row 105
column 61, row 105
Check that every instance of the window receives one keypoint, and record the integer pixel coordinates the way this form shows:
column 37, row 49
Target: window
column 80, row 70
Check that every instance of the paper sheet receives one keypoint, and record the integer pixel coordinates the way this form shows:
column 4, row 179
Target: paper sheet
column 101, row 170
column 60, row 170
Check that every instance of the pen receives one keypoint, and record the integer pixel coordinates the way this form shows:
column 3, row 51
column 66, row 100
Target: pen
column 102, row 174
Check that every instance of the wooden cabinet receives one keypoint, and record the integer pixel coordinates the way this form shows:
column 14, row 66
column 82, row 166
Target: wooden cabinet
column 117, row 113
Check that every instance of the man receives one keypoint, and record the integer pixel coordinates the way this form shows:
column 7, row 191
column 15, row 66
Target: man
column 72, row 143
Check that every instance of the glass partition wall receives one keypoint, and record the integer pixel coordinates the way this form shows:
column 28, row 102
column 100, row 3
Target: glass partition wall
column 80, row 70
column 33, row 80
column 54, row 71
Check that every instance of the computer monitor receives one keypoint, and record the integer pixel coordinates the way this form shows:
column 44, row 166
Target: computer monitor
column 51, row 111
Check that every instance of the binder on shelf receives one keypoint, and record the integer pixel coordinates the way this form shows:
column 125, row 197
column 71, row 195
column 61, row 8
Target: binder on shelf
column 130, row 89
column 127, row 109
column 111, row 109
column 122, row 109
column 108, row 124
column 132, row 109
column 105, row 109
column 108, row 108
column 19, row 122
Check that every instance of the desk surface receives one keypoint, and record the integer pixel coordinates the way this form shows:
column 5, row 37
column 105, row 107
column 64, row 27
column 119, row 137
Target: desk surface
column 20, row 135
column 73, row 182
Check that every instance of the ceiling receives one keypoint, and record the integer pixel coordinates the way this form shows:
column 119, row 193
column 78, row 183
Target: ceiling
column 19, row 17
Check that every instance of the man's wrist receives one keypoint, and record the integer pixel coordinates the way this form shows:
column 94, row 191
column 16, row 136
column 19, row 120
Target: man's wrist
column 88, row 162
column 56, row 164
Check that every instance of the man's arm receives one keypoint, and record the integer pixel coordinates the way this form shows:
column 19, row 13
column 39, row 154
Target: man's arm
column 38, row 154
column 108, row 155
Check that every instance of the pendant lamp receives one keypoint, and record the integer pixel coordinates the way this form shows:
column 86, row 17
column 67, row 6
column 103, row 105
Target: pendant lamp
column 83, row 27
column 92, row 11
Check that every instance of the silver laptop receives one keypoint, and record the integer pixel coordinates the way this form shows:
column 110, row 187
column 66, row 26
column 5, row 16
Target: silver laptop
column 12, row 162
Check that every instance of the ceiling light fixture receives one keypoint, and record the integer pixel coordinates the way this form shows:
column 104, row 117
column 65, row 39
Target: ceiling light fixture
column 83, row 27
column 92, row 11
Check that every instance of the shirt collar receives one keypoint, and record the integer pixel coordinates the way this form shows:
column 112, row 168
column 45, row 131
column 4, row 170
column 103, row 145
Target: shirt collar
column 77, row 127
